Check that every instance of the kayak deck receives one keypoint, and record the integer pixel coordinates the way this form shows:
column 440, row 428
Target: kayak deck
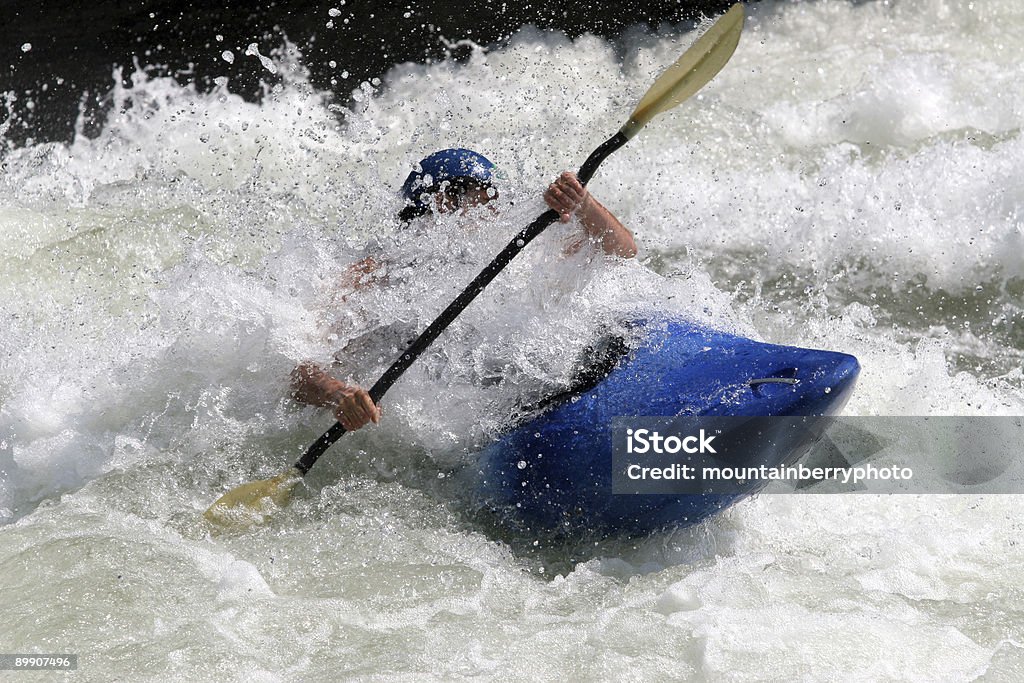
column 553, row 473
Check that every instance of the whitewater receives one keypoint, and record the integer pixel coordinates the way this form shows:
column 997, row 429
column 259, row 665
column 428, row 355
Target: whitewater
column 850, row 181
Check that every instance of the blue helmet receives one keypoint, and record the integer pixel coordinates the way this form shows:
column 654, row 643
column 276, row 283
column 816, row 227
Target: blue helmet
column 447, row 164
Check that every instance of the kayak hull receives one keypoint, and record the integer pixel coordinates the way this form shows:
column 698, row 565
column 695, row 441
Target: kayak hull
column 553, row 473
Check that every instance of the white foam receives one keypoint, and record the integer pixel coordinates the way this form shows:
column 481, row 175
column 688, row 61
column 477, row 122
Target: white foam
column 159, row 282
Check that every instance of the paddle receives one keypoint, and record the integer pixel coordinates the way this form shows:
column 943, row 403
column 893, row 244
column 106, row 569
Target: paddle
column 697, row 66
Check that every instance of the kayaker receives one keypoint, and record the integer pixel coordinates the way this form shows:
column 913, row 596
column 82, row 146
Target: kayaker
column 446, row 182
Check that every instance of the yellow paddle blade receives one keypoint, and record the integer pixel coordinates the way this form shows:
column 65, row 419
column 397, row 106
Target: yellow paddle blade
column 691, row 72
column 253, row 503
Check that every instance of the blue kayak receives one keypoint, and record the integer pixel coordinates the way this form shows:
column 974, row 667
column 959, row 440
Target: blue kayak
column 552, row 473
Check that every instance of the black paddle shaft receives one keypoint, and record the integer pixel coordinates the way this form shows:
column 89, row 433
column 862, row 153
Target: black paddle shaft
column 456, row 307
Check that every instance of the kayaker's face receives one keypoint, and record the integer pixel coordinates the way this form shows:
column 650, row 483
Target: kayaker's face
column 454, row 199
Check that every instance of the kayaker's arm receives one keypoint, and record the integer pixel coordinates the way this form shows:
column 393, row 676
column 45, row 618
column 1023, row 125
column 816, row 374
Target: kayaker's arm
column 351, row 404
column 568, row 196
column 363, row 273
column 603, row 227
column 362, row 270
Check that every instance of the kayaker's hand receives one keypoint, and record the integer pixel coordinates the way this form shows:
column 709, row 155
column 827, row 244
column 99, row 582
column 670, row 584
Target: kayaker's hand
column 353, row 407
column 350, row 403
column 567, row 195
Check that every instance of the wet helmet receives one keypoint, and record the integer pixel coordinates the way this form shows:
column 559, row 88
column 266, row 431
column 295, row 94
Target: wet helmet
column 457, row 167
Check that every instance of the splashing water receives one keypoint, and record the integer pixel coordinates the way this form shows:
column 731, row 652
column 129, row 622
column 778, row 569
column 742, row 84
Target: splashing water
column 850, row 181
